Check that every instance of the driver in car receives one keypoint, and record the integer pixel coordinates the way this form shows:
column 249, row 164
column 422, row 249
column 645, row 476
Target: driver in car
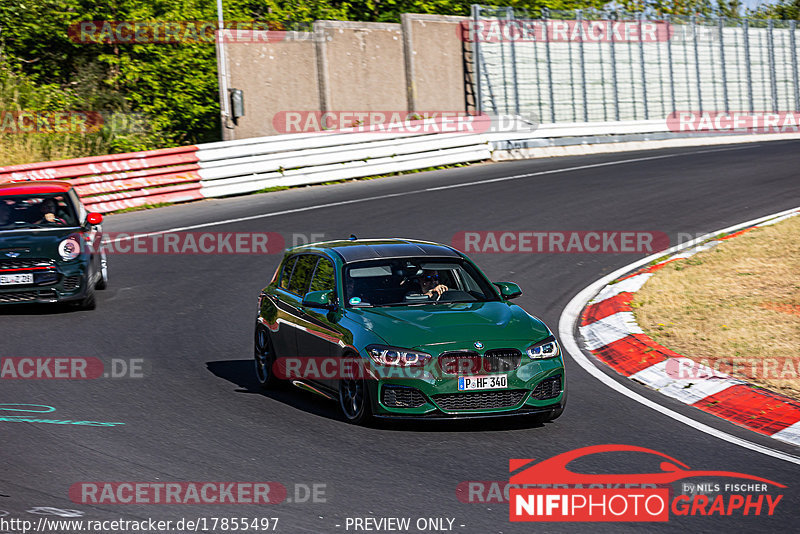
column 430, row 286
column 48, row 209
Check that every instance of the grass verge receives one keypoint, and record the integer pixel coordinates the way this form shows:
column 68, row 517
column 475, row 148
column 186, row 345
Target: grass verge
column 735, row 307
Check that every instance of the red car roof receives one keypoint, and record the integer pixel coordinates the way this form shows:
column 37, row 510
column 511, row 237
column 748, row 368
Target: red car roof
column 34, row 187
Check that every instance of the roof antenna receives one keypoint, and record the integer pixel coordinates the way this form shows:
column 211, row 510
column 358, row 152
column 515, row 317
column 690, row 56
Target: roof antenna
column 353, row 237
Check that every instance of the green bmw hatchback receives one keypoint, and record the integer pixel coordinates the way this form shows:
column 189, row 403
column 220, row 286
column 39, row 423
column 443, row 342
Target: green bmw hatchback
column 398, row 328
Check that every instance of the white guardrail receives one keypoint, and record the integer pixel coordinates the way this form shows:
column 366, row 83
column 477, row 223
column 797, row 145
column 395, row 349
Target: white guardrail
column 109, row 183
column 247, row 165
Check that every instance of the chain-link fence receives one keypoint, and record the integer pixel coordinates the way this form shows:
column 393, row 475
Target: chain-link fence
column 606, row 66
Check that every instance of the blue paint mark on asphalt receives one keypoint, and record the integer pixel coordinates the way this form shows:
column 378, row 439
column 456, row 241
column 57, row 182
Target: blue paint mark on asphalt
column 27, row 408
column 41, row 408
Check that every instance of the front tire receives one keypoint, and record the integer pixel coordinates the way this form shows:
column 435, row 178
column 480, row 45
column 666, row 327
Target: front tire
column 89, row 302
column 354, row 400
column 265, row 360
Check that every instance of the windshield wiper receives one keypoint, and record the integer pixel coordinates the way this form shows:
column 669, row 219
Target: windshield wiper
column 398, row 304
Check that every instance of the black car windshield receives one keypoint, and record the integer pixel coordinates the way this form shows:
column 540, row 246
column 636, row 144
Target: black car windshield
column 38, row 211
column 409, row 281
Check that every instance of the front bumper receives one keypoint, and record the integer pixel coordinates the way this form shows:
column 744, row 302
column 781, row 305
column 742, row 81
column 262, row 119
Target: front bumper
column 60, row 283
column 438, row 415
column 534, row 388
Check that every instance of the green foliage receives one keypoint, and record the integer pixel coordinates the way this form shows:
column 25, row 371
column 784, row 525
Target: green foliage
column 783, row 10
column 19, row 93
column 175, row 85
column 680, row 7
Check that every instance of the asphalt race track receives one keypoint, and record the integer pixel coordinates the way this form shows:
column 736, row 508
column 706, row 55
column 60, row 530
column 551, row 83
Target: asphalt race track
column 197, row 414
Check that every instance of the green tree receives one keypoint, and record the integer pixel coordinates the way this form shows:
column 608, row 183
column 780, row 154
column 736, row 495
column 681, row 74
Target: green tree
column 784, row 10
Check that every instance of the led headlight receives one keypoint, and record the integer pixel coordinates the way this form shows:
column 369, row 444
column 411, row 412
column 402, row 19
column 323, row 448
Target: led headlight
column 547, row 348
column 383, row 355
column 69, row 248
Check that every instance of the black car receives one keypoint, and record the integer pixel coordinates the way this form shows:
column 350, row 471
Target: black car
column 49, row 245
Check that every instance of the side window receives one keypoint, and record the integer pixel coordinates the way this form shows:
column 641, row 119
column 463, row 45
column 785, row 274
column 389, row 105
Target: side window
column 301, row 277
column 286, row 274
column 323, row 276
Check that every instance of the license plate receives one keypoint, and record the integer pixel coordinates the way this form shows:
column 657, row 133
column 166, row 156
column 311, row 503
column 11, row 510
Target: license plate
column 10, row 279
column 469, row 383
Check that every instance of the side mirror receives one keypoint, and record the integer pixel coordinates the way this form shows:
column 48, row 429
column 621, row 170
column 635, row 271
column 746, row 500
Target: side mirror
column 94, row 219
column 320, row 299
column 509, row 290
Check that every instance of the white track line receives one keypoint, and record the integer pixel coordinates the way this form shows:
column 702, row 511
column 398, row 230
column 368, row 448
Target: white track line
column 569, row 319
column 417, row 191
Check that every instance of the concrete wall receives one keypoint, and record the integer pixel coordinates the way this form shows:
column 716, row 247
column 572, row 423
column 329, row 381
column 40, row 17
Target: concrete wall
column 363, row 66
column 275, row 77
column 346, row 66
column 434, row 62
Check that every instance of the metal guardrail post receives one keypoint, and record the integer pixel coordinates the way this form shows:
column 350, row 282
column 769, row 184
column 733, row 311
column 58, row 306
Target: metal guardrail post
column 697, row 64
column 579, row 18
column 510, row 17
column 747, row 64
column 629, row 46
column 722, row 60
column 792, row 40
column 571, row 64
column 685, row 48
column 669, row 61
column 661, row 79
column 644, row 78
column 785, row 62
column 740, row 53
column 614, row 67
column 476, row 9
column 603, row 79
column 538, row 79
column 503, row 64
column 771, row 53
column 489, row 91
column 763, row 74
column 545, row 17
column 715, row 96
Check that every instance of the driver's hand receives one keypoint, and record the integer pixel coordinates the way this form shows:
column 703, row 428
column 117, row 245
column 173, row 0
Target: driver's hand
column 50, row 217
column 438, row 290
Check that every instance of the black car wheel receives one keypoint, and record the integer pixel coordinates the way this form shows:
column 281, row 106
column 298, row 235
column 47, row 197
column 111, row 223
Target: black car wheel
column 89, row 302
column 265, row 359
column 354, row 400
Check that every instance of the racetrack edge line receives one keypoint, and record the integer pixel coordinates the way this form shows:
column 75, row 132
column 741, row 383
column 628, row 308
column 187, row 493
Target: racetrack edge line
column 568, row 321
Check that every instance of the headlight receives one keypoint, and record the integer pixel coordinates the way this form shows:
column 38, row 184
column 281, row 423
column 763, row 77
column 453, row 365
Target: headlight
column 547, row 348
column 383, row 355
column 69, row 249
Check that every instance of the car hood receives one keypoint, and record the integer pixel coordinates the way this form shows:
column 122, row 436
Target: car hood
column 33, row 243
column 450, row 323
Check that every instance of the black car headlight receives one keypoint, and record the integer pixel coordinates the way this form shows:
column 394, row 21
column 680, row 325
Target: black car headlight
column 69, row 248
column 547, row 348
column 383, row 355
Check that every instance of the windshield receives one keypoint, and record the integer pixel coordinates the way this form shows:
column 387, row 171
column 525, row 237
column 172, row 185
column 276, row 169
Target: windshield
column 408, row 281
column 39, row 211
